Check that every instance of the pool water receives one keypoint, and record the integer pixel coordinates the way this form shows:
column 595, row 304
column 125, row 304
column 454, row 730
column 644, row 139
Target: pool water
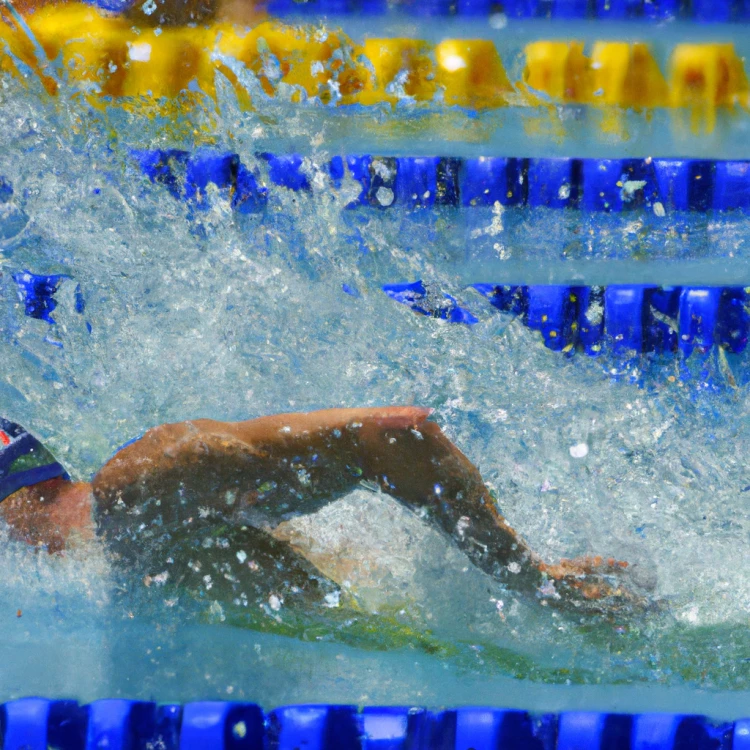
column 208, row 312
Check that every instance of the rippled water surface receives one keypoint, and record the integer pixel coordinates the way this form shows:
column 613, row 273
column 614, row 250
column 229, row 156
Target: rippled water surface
column 209, row 313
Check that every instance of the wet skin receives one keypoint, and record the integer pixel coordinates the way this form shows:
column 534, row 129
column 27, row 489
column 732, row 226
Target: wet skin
column 179, row 477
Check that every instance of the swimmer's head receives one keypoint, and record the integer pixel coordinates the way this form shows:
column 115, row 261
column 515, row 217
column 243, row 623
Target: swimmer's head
column 24, row 461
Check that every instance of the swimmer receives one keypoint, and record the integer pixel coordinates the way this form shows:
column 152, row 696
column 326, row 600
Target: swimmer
column 156, row 491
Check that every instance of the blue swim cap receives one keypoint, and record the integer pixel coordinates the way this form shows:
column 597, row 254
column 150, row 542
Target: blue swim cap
column 23, row 460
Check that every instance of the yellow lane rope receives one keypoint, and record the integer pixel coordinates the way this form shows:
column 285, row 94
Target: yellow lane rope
column 107, row 56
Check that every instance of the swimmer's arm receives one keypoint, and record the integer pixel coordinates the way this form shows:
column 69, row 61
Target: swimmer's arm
column 214, row 456
column 421, row 467
column 396, row 447
column 408, row 456
column 310, row 459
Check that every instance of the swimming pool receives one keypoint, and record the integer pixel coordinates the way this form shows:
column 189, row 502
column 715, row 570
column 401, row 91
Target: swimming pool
column 174, row 259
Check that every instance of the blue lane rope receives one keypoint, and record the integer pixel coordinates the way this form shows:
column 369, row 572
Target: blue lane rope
column 624, row 318
column 433, row 304
column 37, row 292
column 595, row 185
column 620, row 318
column 632, row 318
column 37, row 724
column 700, row 11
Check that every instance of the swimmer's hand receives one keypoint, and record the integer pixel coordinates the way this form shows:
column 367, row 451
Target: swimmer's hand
column 593, row 585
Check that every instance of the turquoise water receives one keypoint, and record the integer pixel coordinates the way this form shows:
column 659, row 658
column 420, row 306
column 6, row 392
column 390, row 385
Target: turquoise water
column 230, row 317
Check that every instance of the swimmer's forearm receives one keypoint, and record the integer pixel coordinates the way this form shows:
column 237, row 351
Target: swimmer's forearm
column 424, row 469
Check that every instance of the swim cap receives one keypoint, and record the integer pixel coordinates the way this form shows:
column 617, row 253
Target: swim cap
column 23, row 460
